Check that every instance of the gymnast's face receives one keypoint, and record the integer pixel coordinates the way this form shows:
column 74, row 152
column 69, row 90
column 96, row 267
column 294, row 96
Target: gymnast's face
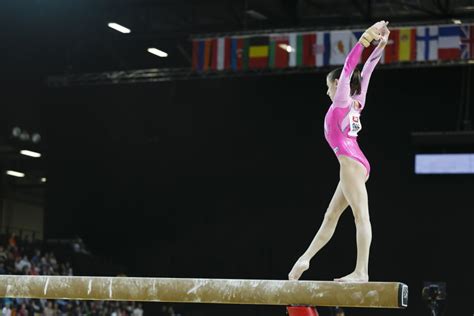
column 332, row 85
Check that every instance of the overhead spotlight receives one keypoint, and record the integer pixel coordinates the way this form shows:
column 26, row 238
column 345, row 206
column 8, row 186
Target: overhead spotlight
column 157, row 52
column 286, row 47
column 256, row 15
column 36, row 138
column 43, row 180
column 120, row 28
column 30, row 153
column 15, row 173
column 16, row 131
column 457, row 21
column 24, row 136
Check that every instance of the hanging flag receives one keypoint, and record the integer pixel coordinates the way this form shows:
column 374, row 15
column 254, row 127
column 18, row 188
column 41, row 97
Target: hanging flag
column 213, row 54
column 292, row 50
column 220, row 55
column 407, row 44
column 207, row 54
column 201, row 54
column 278, row 51
column 392, row 47
column 340, row 46
column 322, row 49
column 258, row 52
column 401, row 46
column 303, row 49
column 293, row 42
column 467, row 41
column 196, row 55
column 228, row 52
column 426, row 43
column 306, row 47
column 449, row 42
column 319, row 49
column 239, row 53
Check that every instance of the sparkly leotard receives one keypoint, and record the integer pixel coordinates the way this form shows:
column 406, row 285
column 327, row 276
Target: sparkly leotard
column 342, row 121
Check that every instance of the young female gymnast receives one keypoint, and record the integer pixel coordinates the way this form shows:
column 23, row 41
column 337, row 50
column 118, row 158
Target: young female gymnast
column 347, row 88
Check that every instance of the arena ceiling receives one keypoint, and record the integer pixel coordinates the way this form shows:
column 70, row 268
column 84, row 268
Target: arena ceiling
column 53, row 36
column 237, row 15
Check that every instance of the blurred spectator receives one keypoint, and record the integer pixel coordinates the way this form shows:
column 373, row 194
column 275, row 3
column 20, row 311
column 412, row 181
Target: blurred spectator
column 3, row 254
column 12, row 240
column 33, row 270
column 23, row 263
column 79, row 247
column 36, row 257
column 65, row 269
column 68, row 269
column 168, row 311
column 14, row 259
column 138, row 311
column 52, row 260
column 10, row 263
column 56, row 308
column 36, row 307
column 48, row 310
column 22, row 311
column 6, row 311
column 43, row 265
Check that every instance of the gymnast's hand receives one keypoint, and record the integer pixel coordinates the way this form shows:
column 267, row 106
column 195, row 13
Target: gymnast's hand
column 300, row 266
column 385, row 32
column 373, row 33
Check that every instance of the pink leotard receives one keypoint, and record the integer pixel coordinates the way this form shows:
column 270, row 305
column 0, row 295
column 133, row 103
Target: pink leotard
column 342, row 121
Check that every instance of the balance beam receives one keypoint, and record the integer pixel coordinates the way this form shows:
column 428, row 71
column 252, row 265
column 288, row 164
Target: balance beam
column 214, row 291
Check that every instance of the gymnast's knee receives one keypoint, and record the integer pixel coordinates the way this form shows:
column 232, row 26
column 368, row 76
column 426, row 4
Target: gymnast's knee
column 331, row 216
column 361, row 218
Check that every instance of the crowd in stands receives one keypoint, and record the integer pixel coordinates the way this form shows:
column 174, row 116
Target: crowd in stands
column 27, row 257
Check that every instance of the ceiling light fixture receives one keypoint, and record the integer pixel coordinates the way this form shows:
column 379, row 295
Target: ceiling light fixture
column 30, row 153
column 15, row 173
column 120, row 28
column 157, row 52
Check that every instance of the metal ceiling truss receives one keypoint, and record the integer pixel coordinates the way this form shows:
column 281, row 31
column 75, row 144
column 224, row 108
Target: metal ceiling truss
column 176, row 74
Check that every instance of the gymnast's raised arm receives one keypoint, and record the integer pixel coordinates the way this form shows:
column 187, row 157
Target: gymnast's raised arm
column 342, row 97
column 370, row 65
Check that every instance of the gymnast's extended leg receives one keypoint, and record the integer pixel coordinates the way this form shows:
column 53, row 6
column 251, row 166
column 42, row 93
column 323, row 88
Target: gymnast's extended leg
column 353, row 176
column 336, row 207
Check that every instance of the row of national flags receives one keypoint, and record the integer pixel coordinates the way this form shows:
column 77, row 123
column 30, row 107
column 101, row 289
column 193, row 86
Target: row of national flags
column 326, row 48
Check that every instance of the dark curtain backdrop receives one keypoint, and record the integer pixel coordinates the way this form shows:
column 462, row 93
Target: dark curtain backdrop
column 230, row 178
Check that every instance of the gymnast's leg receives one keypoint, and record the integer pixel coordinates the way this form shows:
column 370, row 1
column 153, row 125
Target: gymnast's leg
column 336, row 207
column 353, row 176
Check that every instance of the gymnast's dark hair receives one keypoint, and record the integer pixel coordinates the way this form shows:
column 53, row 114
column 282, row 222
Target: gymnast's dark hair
column 356, row 79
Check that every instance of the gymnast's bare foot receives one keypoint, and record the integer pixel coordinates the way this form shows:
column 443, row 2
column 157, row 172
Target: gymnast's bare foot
column 354, row 277
column 300, row 266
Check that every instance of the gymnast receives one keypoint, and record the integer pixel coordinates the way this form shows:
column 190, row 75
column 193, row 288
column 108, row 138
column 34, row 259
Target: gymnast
column 347, row 89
